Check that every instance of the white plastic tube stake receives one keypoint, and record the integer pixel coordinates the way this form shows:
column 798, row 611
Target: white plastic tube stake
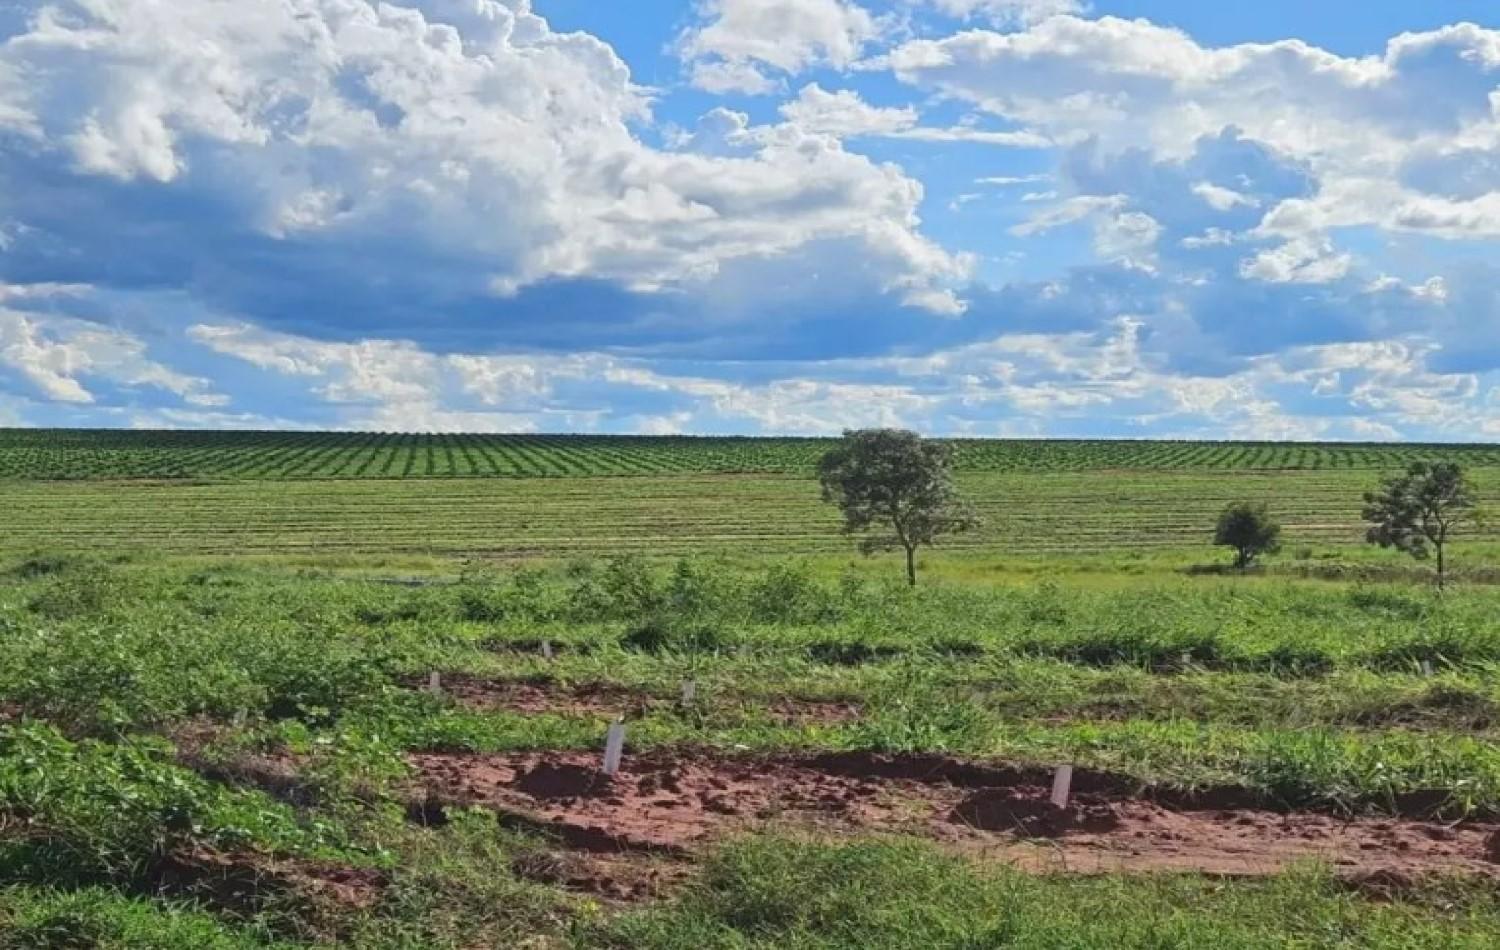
column 614, row 747
column 689, row 692
column 1426, row 667
column 547, row 649
column 434, row 682
column 1062, row 786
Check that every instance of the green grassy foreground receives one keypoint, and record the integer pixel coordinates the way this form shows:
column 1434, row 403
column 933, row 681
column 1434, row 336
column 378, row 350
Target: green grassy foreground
column 175, row 606
column 1302, row 691
column 1354, row 697
column 895, row 895
column 792, row 895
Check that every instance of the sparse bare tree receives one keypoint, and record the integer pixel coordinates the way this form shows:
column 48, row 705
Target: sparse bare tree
column 896, row 488
column 1421, row 509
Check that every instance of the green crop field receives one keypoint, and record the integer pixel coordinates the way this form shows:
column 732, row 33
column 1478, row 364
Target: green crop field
column 110, row 454
column 323, row 690
column 757, row 514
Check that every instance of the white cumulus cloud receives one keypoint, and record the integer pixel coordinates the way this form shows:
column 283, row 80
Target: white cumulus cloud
column 59, row 355
column 1355, row 123
column 845, row 114
column 1220, row 198
column 1299, row 261
column 747, row 45
column 468, row 131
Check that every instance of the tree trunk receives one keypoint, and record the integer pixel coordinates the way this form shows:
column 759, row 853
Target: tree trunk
column 1442, row 568
column 911, row 565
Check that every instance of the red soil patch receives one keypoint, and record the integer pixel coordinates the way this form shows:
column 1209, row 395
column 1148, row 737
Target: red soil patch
column 246, row 881
column 548, row 780
column 609, row 701
column 672, row 802
column 1028, row 815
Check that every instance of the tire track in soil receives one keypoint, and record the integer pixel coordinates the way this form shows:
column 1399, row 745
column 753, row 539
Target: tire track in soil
column 673, row 803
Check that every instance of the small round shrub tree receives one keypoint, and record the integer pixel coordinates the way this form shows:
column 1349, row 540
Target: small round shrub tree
column 1250, row 530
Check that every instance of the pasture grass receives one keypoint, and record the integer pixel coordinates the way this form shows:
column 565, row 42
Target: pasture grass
column 798, row 895
column 1308, row 693
column 1055, row 517
column 97, row 918
column 131, row 683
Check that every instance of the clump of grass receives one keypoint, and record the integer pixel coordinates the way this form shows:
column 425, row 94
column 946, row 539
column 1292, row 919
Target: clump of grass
column 1390, row 603
column 1448, row 702
column 892, row 895
column 920, row 715
column 108, row 679
column 851, row 652
column 1438, row 648
column 82, row 811
column 80, row 588
column 102, row 918
column 666, row 634
column 1291, row 660
column 454, row 887
column 1148, row 649
column 46, row 564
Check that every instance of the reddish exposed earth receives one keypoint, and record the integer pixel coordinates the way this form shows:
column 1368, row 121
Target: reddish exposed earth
column 670, row 802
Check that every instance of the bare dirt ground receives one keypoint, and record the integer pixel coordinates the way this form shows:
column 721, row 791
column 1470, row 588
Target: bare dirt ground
column 669, row 803
column 245, row 879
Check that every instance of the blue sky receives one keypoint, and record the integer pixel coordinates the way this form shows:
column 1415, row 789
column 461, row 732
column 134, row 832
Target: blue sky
column 1135, row 218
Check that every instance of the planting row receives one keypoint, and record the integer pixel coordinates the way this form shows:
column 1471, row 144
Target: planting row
column 75, row 454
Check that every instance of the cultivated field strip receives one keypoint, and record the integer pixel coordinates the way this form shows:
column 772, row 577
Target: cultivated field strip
column 118, row 455
column 1097, row 511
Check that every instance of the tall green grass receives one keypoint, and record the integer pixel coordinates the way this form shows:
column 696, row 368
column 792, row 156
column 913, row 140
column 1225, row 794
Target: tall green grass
column 792, row 895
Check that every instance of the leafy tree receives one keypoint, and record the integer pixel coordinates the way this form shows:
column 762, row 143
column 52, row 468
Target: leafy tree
column 1250, row 530
column 896, row 488
column 1420, row 510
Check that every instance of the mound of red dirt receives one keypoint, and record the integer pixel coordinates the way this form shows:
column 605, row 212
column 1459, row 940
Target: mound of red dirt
column 672, row 801
column 1027, row 814
column 549, row 780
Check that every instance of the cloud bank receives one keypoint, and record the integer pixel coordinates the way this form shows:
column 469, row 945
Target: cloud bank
column 979, row 216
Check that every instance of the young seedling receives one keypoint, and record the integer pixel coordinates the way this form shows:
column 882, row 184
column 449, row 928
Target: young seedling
column 614, row 747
